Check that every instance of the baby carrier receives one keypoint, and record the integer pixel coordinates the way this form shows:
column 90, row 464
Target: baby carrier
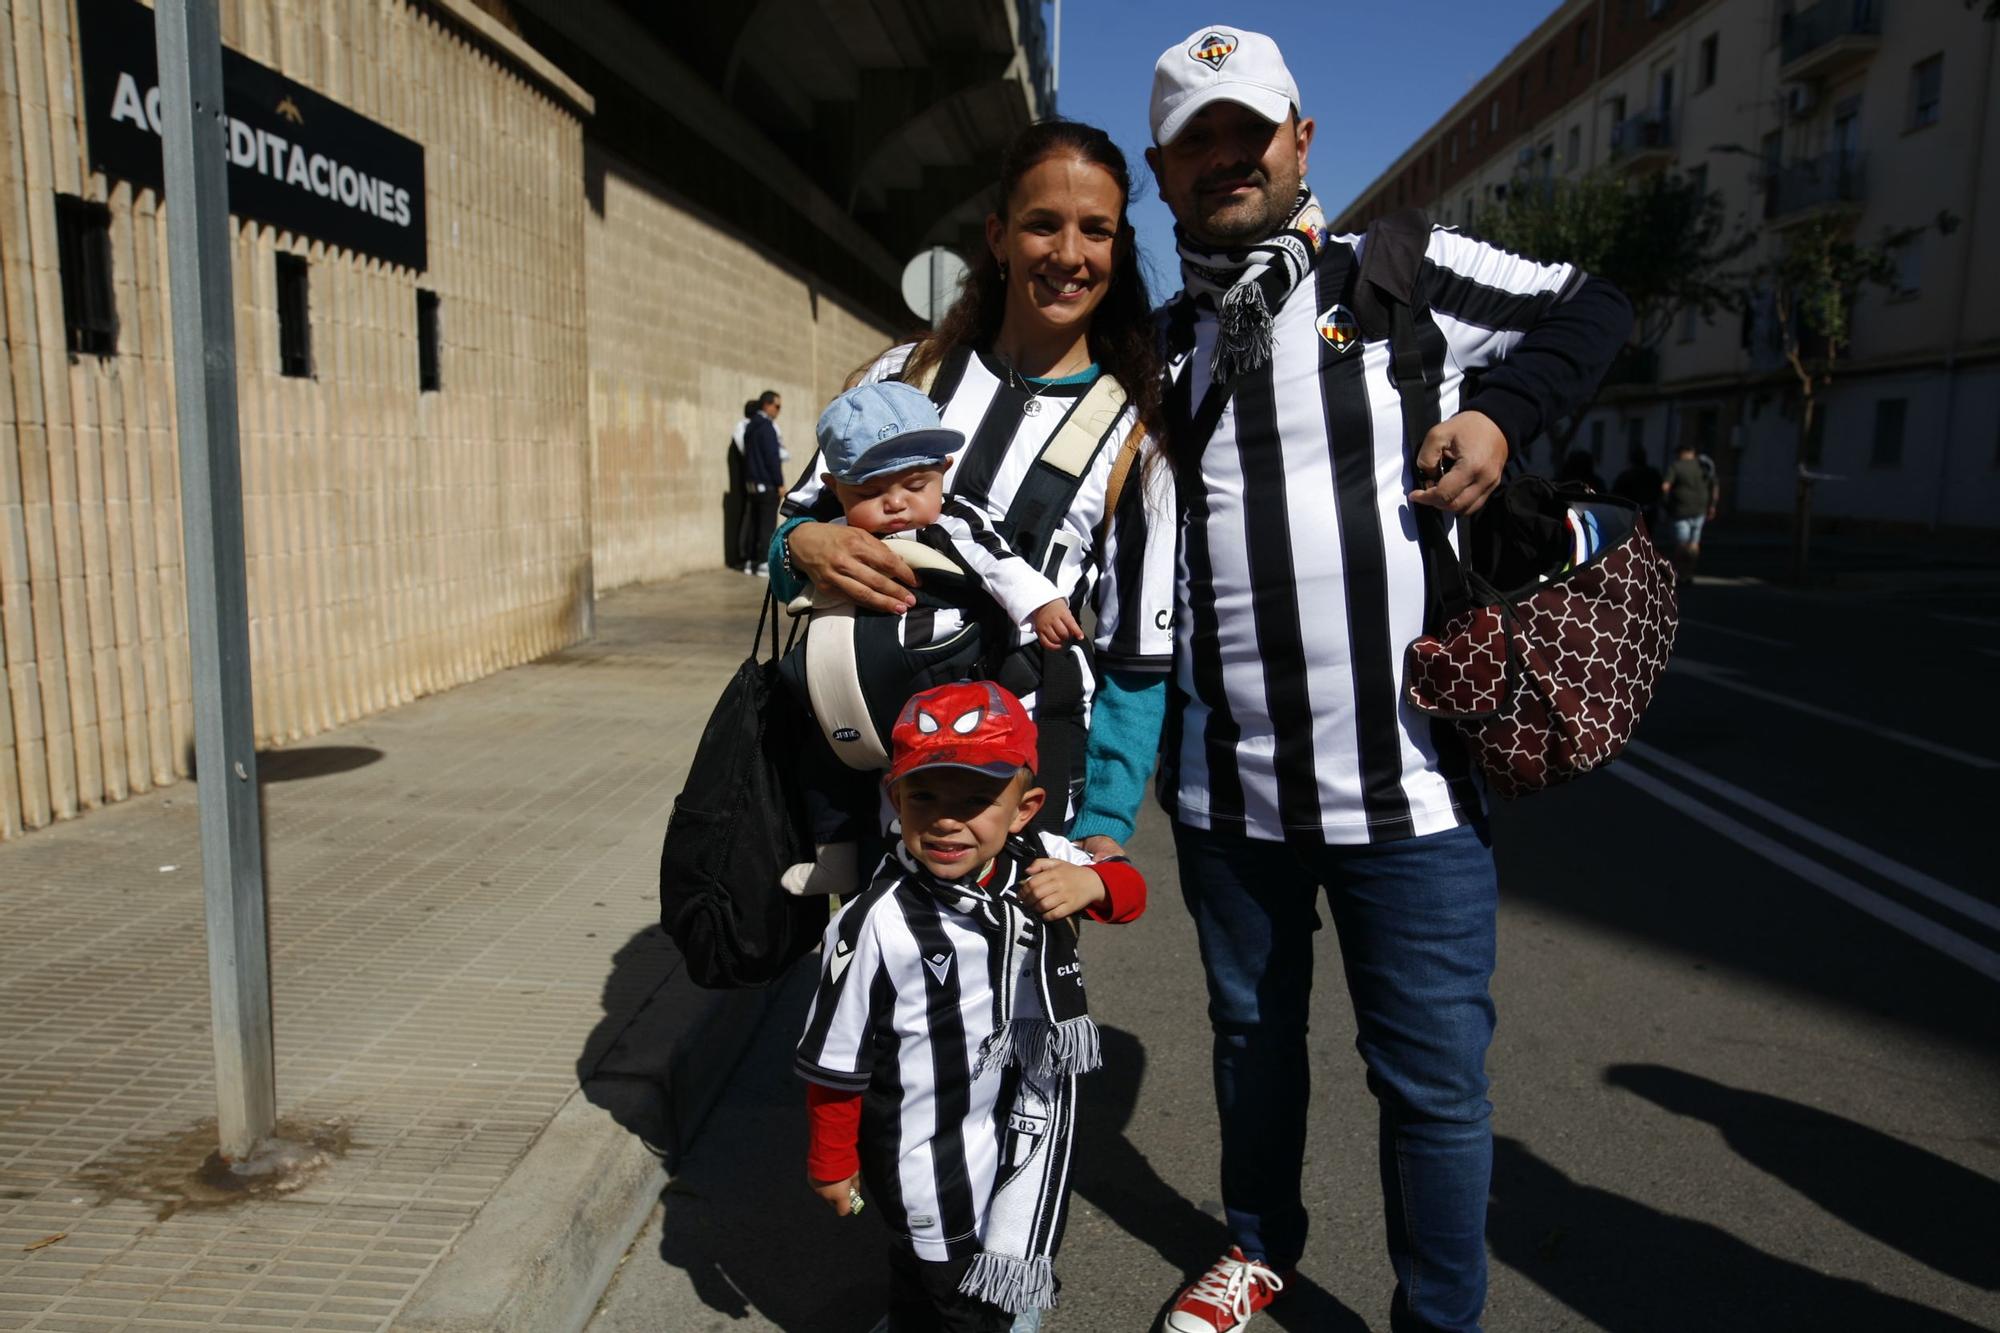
column 856, row 667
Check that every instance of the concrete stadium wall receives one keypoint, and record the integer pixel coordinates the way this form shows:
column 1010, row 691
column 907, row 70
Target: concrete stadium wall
column 398, row 542
column 687, row 321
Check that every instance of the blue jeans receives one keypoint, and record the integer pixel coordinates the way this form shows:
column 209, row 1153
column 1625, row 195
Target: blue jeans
column 1416, row 923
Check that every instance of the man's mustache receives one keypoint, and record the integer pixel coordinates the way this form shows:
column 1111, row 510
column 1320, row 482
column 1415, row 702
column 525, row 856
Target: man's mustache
column 1246, row 172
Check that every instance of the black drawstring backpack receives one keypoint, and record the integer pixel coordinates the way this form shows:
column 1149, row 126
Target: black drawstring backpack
column 737, row 824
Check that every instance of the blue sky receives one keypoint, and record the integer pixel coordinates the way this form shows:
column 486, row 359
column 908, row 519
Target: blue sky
column 1373, row 73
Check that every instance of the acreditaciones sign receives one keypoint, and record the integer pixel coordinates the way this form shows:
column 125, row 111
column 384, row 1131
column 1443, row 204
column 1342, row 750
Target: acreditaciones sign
column 296, row 160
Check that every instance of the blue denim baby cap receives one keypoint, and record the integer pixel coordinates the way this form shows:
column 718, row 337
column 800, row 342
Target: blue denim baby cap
column 873, row 430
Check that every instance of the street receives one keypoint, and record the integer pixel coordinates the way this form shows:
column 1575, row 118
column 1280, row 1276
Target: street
column 1745, row 1074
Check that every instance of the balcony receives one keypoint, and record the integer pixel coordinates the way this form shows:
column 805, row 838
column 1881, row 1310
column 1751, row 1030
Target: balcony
column 1829, row 38
column 1804, row 189
column 1644, row 142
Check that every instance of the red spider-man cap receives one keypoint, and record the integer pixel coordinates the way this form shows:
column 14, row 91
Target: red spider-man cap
column 973, row 724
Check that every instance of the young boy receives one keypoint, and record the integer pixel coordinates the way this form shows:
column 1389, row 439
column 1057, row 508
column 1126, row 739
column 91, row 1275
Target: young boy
column 949, row 992
column 885, row 451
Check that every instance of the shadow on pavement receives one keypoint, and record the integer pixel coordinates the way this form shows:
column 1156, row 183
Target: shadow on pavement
column 1114, row 1175
column 1628, row 1268
column 1903, row 1196
column 304, row 762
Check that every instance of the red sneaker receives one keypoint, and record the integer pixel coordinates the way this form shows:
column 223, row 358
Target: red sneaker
column 1223, row 1299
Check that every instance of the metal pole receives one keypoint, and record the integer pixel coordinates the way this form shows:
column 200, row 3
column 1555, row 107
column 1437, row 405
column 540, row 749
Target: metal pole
column 195, row 133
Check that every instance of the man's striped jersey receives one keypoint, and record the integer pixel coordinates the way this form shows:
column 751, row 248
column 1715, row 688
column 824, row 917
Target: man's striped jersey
column 906, row 995
column 1300, row 578
column 1130, row 584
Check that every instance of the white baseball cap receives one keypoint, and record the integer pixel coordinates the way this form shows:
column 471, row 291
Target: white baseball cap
column 1218, row 64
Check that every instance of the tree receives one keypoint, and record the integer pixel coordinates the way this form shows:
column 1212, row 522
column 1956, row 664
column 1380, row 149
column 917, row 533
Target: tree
column 1663, row 240
column 1813, row 283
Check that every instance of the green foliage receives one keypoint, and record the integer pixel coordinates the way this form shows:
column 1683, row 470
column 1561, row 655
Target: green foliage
column 1659, row 239
column 1817, row 276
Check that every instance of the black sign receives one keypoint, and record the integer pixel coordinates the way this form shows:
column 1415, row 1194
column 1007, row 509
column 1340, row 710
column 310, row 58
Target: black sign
column 296, row 160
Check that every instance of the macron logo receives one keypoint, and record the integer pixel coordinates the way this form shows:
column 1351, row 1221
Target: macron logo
column 940, row 966
column 843, row 954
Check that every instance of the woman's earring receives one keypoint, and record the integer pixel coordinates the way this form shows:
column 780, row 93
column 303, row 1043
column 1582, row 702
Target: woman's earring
column 1003, row 270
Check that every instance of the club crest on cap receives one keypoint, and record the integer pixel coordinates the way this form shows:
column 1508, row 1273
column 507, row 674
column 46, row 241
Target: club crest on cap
column 1338, row 327
column 1212, row 48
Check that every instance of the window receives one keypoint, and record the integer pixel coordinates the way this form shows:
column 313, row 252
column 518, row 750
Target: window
column 1549, row 68
column 1583, row 43
column 1472, row 135
column 1706, row 62
column 1665, row 88
column 1635, row 436
column 1597, row 439
column 1846, row 141
column 1773, row 155
column 1926, row 91
column 1495, row 125
column 1520, row 94
column 1617, row 109
column 1451, row 152
column 1575, row 153
column 1909, row 279
column 1548, row 158
column 294, row 318
column 427, row 341
column 83, row 252
column 1888, row 447
column 1707, row 430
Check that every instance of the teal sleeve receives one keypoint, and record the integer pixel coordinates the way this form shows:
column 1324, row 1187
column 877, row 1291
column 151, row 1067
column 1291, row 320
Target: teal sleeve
column 1125, row 720
column 784, row 584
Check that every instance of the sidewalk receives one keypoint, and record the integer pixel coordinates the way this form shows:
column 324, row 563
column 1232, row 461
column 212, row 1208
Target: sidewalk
column 462, row 899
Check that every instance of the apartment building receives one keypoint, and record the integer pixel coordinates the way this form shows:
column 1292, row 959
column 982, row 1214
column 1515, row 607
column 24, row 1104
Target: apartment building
column 1884, row 110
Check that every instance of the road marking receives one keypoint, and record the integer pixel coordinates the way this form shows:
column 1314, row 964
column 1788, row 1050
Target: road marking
column 1714, row 628
column 1863, row 899
column 1916, row 881
column 1716, row 675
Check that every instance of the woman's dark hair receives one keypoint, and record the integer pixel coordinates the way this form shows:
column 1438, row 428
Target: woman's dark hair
column 1121, row 329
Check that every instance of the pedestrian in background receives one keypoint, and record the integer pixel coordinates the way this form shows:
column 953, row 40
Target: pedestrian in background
column 1295, row 766
column 733, row 553
column 763, row 479
column 1640, row 483
column 1690, row 492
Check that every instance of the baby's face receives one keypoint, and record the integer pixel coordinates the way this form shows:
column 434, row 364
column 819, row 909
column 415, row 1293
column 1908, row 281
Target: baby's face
column 895, row 503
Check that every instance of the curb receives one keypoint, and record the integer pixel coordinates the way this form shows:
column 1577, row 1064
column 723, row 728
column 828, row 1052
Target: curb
column 542, row 1250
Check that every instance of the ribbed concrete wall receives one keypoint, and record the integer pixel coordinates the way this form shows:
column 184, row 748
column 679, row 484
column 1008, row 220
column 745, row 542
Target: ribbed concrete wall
column 398, row 542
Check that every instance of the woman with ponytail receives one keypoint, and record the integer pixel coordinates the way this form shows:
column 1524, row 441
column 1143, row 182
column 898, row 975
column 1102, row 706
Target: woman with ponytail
column 1048, row 364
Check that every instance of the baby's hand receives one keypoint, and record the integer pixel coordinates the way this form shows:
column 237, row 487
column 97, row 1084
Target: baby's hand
column 1055, row 626
column 1056, row 889
column 840, row 1195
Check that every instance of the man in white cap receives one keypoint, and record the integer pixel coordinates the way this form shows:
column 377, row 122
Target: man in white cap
column 1292, row 765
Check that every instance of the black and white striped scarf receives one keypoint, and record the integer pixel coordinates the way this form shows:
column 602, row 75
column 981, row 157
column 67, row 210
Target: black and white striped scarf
column 1248, row 285
column 1015, row 1268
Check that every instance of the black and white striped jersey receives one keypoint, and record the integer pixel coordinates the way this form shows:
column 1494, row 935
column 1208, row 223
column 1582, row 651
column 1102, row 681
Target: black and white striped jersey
column 1130, row 584
column 906, row 995
column 1300, row 580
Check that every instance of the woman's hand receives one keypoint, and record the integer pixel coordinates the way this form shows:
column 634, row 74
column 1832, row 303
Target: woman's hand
column 1056, row 889
column 854, row 564
column 839, row 1194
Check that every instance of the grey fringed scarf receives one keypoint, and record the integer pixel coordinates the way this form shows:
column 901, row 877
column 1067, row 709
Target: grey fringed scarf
column 1248, row 285
column 1015, row 1268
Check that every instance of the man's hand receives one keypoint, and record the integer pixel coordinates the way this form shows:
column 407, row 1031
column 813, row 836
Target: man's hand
column 1101, row 845
column 1056, row 889
column 1459, row 463
column 839, row 1194
column 1055, row 627
column 854, row 564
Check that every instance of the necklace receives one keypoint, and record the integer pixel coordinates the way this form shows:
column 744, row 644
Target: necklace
column 1033, row 407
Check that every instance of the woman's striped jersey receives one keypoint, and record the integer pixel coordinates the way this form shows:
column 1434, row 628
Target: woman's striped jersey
column 1130, row 583
column 1300, row 581
column 906, row 995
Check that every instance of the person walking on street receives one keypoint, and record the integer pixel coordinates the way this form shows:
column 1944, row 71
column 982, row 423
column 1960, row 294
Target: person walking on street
column 1690, row 493
column 1292, row 764
column 764, row 478
column 739, row 493
column 1640, row 483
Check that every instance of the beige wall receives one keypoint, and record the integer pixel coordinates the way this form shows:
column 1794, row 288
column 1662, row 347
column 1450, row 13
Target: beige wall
column 397, row 542
column 687, row 321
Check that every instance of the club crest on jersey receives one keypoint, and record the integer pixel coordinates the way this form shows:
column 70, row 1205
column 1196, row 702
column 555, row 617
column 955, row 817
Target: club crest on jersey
column 1212, row 48
column 1339, row 328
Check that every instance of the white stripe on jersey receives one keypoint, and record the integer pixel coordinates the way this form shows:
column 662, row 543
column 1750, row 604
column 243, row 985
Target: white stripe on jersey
column 1130, row 585
column 1300, row 579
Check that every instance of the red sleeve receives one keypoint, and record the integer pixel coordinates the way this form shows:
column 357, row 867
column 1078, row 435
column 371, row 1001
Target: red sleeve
column 835, row 1120
column 1124, row 892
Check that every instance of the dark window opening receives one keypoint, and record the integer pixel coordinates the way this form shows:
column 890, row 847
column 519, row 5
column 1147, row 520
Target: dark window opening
column 83, row 251
column 1710, row 58
column 427, row 341
column 1583, row 43
column 1926, row 92
column 294, row 317
column 1889, row 417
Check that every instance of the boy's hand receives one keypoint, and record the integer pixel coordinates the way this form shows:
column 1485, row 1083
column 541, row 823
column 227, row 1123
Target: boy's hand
column 1056, row 889
column 1055, row 626
column 839, row 1194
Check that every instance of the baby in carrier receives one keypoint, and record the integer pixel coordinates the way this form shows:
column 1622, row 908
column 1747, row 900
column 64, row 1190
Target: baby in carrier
column 885, row 451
